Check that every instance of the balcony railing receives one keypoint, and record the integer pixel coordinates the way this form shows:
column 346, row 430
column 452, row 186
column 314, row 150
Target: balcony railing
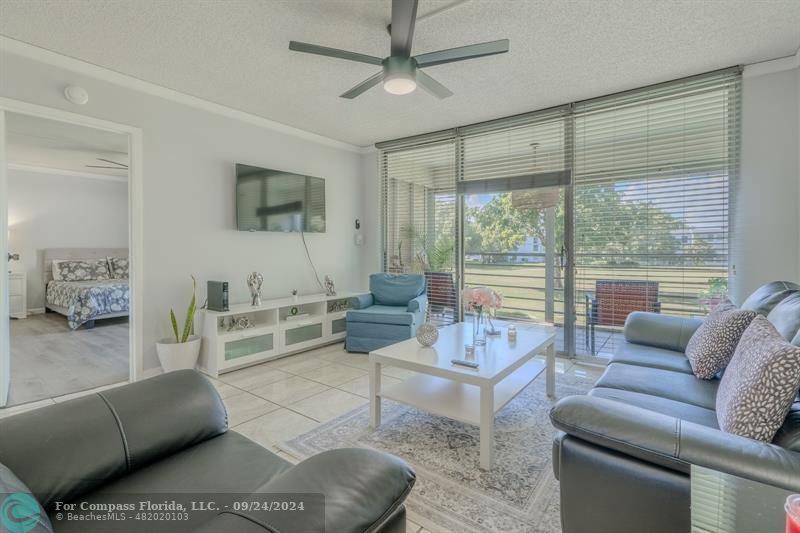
column 521, row 278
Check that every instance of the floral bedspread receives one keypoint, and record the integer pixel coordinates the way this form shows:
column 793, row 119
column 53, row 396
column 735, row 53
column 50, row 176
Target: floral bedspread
column 86, row 300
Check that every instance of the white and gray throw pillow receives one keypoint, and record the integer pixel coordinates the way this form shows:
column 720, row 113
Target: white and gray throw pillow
column 119, row 267
column 760, row 384
column 711, row 347
column 82, row 270
column 55, row 270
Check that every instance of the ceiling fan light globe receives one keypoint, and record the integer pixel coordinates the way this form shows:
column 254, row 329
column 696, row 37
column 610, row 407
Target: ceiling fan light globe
column 399, row 84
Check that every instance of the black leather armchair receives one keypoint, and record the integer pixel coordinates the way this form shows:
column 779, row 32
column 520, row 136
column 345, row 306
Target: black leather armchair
column 169, row 435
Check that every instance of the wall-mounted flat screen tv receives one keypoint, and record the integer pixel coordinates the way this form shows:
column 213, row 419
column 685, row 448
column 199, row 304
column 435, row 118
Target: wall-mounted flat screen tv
column 274, row 200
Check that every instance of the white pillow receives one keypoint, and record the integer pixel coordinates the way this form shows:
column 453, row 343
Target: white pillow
column 55, row 270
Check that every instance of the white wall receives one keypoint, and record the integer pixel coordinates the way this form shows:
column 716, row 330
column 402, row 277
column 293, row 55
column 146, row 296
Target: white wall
column 188, row 191
column 56, row 211
column 768, row 206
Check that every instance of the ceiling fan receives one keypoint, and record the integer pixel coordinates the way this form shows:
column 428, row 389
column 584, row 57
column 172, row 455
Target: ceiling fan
column 117, row 166
column 401, row 72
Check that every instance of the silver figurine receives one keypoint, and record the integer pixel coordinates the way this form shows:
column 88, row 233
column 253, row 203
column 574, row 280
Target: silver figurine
column 254, row 281
column 330, row 288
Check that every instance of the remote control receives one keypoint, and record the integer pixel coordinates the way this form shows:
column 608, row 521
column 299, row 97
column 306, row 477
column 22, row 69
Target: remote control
column 461, row 362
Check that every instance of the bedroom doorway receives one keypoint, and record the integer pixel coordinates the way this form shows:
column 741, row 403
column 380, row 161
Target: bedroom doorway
column 68, row 296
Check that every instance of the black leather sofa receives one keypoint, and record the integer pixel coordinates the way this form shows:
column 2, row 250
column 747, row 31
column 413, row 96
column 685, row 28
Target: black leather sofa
column 624, row 452
column 169, row 436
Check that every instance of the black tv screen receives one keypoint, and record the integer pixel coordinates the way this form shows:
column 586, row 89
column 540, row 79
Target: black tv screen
column 274, row 200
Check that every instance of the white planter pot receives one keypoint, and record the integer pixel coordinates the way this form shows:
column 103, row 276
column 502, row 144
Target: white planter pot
column 178, row 355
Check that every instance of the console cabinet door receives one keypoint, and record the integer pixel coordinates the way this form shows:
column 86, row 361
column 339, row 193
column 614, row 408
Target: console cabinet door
column 299, row 336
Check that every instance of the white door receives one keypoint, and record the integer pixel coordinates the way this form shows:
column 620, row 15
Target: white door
column 5, row 330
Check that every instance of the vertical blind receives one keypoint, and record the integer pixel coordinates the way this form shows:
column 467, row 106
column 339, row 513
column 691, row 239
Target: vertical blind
column 419, row 210
column 653, row 173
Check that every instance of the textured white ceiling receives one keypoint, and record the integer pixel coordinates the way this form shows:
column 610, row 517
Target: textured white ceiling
column 235, row 52
column 40, row 142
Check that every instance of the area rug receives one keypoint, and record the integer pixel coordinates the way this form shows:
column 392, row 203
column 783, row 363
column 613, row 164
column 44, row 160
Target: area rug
column 452, row 494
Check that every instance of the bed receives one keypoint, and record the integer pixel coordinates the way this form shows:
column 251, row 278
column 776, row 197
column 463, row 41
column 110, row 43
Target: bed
column 83, row 302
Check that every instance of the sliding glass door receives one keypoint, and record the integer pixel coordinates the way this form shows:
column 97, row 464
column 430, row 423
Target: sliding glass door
column 513, row 178
column 485, row 206
column 514, row 244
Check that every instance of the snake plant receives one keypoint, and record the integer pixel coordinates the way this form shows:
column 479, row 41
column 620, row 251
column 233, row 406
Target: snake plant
column 189, row 322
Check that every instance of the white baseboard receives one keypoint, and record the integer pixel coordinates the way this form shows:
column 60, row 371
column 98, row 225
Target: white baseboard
column 36, row 311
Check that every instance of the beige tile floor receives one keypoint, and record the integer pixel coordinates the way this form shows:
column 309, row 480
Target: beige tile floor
column 316, row 386
column 279, row 400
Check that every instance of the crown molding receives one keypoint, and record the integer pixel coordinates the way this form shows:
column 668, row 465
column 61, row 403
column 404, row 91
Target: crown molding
column 25, row 167
column 79, row 66
column 771, row 66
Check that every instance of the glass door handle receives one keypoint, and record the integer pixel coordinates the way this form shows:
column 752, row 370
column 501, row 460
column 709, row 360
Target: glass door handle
column 562, row 257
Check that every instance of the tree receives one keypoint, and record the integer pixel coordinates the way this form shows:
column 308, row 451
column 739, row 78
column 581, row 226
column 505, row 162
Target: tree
column 610, row 229
column 498, row 226
column 473, row 240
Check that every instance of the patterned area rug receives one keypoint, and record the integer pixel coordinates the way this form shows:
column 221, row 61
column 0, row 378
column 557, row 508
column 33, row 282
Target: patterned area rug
column 452, row 494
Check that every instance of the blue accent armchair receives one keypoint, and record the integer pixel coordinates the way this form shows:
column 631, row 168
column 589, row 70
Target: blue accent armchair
column 391, row 312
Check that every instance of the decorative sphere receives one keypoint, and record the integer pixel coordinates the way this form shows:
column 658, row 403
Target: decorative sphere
column 427, row 334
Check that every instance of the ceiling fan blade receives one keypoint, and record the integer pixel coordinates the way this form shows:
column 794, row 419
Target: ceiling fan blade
column 461, row 53
column 121, row 165
column 365, row 85
column 432, row 86
column 333, row 52
column 404, row 16
column 100, row 166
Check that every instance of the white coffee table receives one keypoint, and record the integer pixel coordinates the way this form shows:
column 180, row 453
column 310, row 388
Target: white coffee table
column 468, row 395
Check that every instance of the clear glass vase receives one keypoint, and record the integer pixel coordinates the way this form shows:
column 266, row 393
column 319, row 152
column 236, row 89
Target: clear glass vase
column 478, row 326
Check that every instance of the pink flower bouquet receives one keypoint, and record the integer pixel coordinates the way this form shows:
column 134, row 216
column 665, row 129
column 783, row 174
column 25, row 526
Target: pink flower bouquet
column 481, row 297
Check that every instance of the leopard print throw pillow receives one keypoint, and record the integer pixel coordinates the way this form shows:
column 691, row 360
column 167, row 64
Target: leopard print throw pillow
column 760, row 383
column 711, row 347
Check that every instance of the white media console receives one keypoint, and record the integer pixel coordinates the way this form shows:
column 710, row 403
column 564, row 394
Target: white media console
column 279, row 327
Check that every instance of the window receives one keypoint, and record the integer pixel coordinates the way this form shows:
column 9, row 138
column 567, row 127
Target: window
column 419, row 209
column 653, row 175
column 636, row 190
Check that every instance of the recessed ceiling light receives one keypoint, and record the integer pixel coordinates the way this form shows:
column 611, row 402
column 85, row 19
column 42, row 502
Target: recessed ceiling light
column 76, row 95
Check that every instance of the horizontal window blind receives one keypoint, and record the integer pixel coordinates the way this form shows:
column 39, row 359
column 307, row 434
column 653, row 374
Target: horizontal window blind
column 714, row 501
column 419, row 209
column 518, row 146
column 653, row 173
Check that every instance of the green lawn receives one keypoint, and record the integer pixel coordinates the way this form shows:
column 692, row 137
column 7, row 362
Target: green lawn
column 523, row 286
